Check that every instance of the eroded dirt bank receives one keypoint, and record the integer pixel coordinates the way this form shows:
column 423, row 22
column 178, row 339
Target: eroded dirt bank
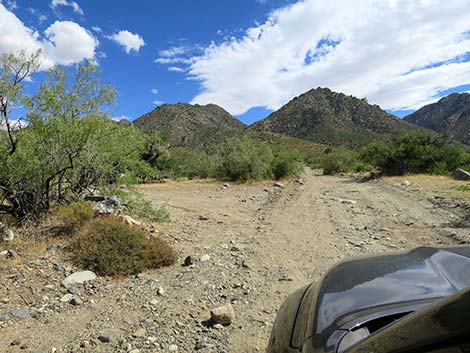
column 257, row 244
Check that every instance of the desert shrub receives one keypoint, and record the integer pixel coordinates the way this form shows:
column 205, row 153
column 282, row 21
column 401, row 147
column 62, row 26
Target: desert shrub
column 338, row 161
column 109, row 247
column 75, row 215
column 244, row 159
column 286, row 162
column 464, row 187
column 202, row 164
column 138, row 205
column 314, row 161
column 419, row 152
column 374, row 154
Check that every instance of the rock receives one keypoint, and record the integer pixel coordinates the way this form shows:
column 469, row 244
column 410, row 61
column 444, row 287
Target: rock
column 57, row 266
column 218, row 326
column 223, row 315
column 76, row 300
column 11, row 254
column 200, row 345
column 205, row 258
column 406, row 183
column 173, row 348
column 72, row 290
column 20, row 314
column 160, row 291
column 188, row 261
column 130, row 221
column 348, row 202
column 66, row 298
column 106, row 336
column 110, row 206
column 278, row 184
column 78, row 278
column 203, row 218
column 460, row 174
column 141, row 332
column 6, row 234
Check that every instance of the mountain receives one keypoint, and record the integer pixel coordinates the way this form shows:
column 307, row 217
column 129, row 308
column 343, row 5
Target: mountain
column 331, row 118
column 450, row 116
column 190, row 125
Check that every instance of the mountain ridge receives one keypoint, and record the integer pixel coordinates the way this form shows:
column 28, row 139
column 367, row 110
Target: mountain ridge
column 324, row 116
column 189, row 125
column 450, row 116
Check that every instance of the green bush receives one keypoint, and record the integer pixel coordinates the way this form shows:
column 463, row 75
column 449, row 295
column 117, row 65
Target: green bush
column 75, row 215
column 286, row 163
column 109, row 247
column 338, row 161
column 464, row 187
column 419, row 152
column 243, row 159
column 138, row 205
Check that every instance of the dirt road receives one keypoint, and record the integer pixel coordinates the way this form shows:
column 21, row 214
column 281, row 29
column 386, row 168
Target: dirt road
column 252, row 245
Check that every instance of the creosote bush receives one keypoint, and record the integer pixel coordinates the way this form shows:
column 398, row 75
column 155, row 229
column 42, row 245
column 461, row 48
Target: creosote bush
column 109, row 247
column 75, row 215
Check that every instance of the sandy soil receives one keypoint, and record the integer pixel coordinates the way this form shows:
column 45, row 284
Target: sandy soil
column 263, row 243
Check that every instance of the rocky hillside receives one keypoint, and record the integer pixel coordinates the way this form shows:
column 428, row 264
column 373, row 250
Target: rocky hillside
column 450, row 116
column 190, row 125
column 331, row 118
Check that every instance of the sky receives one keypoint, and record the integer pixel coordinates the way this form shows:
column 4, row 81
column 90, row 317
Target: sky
column 251, row 56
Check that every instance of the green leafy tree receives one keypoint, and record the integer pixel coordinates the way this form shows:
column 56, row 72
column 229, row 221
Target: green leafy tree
column 14, row 70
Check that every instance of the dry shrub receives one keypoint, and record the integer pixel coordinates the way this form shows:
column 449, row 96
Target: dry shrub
column 74, row 216
column 109, row 247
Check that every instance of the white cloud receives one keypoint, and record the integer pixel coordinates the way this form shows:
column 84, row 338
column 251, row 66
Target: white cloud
column 63, row 42
column 76, row 8
column 68, row 43
column 387, row 51
column 176, row 69
column 97, row 29
column 120, row 118
column 128, row 40
column 154, row 91
column 157, row 102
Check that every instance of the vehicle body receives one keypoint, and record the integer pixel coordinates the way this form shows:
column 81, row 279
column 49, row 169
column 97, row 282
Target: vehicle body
column 416, row 301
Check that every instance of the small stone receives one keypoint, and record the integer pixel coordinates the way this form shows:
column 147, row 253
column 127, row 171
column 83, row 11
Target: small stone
column 205, row 258
column 223, row 315
column 78, row 278
column 72, row 290
column 188, row 261
column 66, row 298
column 218, row 327
column 134, row 351
column 278, row 184
column 57, row 266
column 106, row 336
column 141, row 332
column 21, row 313
column 76, row 300
column 200, row 345
column 160, row 291
column 11, row 254
column 203, row 218
column 173, row 348
column 6, row 234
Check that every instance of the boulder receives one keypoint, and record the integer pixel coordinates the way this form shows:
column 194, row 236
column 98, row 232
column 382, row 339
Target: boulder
column 460, row 174
column 78, row 278
column 6, row 234
column 223, row 315
column 111, row 205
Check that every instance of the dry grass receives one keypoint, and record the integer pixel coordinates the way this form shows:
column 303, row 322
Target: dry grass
column 433, row 184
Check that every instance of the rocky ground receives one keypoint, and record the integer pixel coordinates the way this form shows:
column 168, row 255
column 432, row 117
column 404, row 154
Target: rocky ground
column 250, row 246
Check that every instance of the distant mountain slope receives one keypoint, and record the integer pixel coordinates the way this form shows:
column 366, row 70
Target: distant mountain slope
column 450, row 116
column 331, row 118
column 190, row 125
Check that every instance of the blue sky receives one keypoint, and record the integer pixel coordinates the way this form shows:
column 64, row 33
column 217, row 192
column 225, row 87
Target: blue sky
column 252, row 56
